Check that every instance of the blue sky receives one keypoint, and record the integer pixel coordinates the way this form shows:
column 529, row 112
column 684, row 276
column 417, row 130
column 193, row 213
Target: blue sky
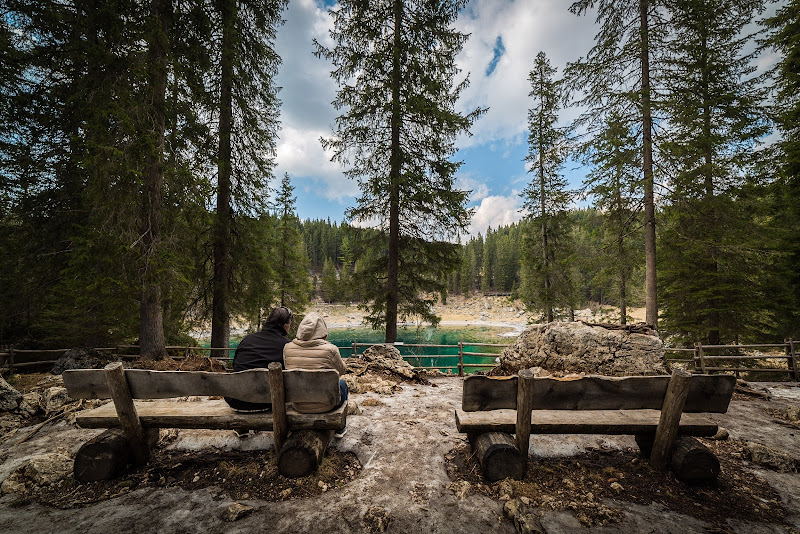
column 505, row 37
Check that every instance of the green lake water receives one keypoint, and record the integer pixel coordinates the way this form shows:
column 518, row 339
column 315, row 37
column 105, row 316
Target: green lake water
column 471, row 336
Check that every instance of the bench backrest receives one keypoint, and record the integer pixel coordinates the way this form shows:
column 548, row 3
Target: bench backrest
column 707, row 393
column 300, row 385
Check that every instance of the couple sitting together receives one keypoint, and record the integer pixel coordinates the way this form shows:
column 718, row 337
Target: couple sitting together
column 310, row 349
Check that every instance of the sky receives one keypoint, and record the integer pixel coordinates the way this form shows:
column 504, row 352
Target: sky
column 505, row 36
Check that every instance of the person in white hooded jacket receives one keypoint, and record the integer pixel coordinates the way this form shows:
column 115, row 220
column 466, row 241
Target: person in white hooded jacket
column 310, row 349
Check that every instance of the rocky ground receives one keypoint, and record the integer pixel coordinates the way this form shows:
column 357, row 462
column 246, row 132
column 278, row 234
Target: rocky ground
column 403, row 467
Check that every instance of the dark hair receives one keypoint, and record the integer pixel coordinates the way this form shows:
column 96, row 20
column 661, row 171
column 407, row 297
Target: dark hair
column 279, row 316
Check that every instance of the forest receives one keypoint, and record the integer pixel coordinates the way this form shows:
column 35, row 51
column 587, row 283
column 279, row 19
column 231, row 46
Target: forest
column 137, row 157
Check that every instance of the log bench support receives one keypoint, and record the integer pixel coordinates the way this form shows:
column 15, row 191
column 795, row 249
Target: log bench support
column 662, row 412
column 300, row 439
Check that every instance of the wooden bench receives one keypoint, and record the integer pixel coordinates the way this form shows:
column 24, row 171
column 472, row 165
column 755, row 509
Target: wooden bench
column 661, row 411
column 299, row 453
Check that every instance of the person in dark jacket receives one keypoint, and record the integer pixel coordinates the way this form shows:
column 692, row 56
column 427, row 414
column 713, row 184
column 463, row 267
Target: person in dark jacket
column 259, row 349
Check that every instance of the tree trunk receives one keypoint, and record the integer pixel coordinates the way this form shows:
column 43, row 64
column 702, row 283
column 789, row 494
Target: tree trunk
column 220, row 326
column 498, row 456
column 302, row 453
column 151, row 325
column 107, row 455
column 693, row 463
column 396, row 163
column 651, row 300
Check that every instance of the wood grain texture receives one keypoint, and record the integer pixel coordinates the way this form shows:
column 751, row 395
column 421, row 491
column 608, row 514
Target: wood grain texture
column 693, row 462
column 667, row 431
column 107, row 455
column 280, row 425
column 126, row 412
column 524, row 408
column 303, row 452
column 707, row 394
column 208, row 414
column 300, row 385
column 609, row 422
column 499, row 456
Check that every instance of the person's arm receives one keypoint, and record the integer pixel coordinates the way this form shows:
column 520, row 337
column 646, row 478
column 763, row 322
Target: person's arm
column 338, row 363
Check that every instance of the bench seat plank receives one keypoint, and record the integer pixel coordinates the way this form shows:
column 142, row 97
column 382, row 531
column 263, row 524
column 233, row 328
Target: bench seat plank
column 613, row 422
column 208, row 414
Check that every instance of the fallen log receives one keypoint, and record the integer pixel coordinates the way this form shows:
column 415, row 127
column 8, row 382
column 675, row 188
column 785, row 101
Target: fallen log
column 302, row 453
column 107, row 455
column 498, row 455
column 693, row 462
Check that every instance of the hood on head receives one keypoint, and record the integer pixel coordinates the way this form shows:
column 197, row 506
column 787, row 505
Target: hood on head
column 312, row 327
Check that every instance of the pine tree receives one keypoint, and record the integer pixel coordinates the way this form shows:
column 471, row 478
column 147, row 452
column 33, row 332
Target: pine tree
column 547, row 284
column 617, row 75
column 394, row 62
column 612, row 183
column 247, row 108
column 329, row 282
column 784, row 38
column 292, row 281
column 713, row 123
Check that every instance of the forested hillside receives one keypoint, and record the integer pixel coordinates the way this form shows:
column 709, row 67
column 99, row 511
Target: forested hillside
column 138, row 151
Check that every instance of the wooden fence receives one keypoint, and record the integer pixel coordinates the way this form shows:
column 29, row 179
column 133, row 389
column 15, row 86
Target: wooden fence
column 709, row 359
column 706, row 359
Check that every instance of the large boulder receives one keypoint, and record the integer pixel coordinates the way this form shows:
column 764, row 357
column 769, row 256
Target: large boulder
column 386, row 358
column 578, row 347
column 79, row 358
column 10, row 398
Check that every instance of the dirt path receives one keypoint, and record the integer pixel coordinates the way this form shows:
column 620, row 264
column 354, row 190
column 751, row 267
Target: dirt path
column 401, row 444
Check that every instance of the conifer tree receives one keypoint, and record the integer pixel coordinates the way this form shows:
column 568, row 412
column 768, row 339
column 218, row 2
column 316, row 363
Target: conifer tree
column 547, row 283
column 617, row 74
column 612, row 184
column 714, row 121
column 784, row 38
column 394, row 62
column 247, row 106
column 290, row 256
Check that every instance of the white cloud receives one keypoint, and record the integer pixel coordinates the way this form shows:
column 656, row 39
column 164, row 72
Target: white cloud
column 479, row 189
column 495, row 211
column 526, row 28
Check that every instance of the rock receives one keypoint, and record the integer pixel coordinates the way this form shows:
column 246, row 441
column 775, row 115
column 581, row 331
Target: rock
column 524, row 520
column 376, row 519
column 372, row 402
column 388, row 357
column 54, row 398
column 576, row 347
column 460, row 489
column 236, row 511
column 9, row 397
column 31, row 404
column 48, row 468
column 78, row 358
column 13, row 484
column 793, row 414
column 617, row 487
column 352, row 408
column 769, row 457
column 721, row 435
column 505, row 489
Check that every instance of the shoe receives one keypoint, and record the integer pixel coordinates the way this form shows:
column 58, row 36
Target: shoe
column 340, row 433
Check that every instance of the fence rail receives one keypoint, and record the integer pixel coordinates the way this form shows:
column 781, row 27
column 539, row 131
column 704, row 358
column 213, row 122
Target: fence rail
column 701, row 358
column 708, row 359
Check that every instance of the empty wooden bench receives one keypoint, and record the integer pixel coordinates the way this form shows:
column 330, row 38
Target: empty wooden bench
column 661, row 411
column 299, row 452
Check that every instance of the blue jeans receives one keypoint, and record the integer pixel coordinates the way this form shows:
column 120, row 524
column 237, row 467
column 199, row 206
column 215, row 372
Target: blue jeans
column 342, row 393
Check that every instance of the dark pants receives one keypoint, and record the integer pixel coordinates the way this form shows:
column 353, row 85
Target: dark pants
column 244, row 406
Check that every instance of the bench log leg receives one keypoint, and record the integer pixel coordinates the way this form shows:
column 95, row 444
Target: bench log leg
column 693, row 462
column 302, row 453
column 671, row 410
column 524, row 408
column 107, row 455
column 498, row 455
column 126, row 411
